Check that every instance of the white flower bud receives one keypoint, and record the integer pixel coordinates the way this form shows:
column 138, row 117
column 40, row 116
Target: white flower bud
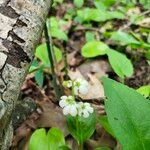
column 81, row 86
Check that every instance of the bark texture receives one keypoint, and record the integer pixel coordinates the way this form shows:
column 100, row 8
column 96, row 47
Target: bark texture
column 21, row 24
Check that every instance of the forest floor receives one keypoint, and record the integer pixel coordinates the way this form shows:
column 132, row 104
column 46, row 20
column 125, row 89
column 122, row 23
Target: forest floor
column 39, row 105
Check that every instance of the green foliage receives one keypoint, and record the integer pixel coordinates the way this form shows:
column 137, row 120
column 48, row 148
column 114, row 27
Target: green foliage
column 42, row 54
column 127, row 112
column 121, row 65
column 147, row 54
column 103, row 148
column 55, row 138
column 39, row 140
column 82, row 129
column 93, row 49
column 64, row 148
column 34, row 65
column 144, row 90
column 39, row 77
column 78, row 3
column 89, row 36
column 59, row 34
column 124, row 38
column 50, row 141
column 55, row 30
column 93, row 14
column 103, row 120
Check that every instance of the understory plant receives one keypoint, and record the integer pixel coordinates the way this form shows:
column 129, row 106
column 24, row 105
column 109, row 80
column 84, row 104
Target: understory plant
column 81, row 118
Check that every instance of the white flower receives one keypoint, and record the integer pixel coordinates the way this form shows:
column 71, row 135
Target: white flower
column 69, row 105
column 84, row 109
column 81, row 86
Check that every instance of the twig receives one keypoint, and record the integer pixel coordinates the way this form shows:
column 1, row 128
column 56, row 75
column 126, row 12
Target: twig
column 86, row 28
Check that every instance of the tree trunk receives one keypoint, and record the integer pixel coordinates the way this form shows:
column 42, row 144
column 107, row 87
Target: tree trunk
column 21, row 24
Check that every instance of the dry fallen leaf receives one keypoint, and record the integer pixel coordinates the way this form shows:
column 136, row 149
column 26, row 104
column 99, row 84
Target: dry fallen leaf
column 52, row 116
column 97, row 67
column 96, row 90
column 145, row 22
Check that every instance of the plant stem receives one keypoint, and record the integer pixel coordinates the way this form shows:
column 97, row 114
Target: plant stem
column 122, row 80
column 66, row 63
column 80, row 146
column 50, row 55
column 73, row 94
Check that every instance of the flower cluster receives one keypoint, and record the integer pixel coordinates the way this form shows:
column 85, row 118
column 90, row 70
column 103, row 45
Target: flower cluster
column 68, row 103
column 80, row 86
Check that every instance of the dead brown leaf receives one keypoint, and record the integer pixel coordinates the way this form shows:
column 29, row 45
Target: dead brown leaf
column 96, row 90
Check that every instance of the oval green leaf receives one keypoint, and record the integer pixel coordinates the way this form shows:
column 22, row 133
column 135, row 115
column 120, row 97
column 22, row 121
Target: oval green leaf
column 128, row 115
column 93, row 49
column 121, row 65
column 144, row 90
column 42, row 54
column 55, row 138
column 38, row 140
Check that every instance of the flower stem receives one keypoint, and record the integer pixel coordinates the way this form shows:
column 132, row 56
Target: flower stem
column 73, row 94
column 80, row 146
column 50, row 55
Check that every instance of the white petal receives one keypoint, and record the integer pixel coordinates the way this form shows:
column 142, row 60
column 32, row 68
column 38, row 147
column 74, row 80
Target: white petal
column 85, row 114
column 83, row 90
column 62, row 103
column 84, row 83
column 63, row 97
column 90, row 110
column 73, row 111
column 87, row 105
column 66, row 110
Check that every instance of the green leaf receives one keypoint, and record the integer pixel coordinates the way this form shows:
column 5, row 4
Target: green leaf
column 34, row 65
column 147, row 54
column 93, row 49
column 100, row 5
column 53, row 22
column 58, row 54
column 102, row 148
column 55, row 138
column 91, row 14
column 59, row 34
column 78, row 3
column 42, row 54
column 103, row 120
column 121, row 65
column 38, row 140
column 144, row 90
column 124, row 38
column 84, row 129
column 64, row 148
column 89, row 36
column 39, row 77
column 148, row 39
column 128, row 115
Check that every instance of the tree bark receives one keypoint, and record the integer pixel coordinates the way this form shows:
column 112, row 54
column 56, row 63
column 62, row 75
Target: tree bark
column 21, row 25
